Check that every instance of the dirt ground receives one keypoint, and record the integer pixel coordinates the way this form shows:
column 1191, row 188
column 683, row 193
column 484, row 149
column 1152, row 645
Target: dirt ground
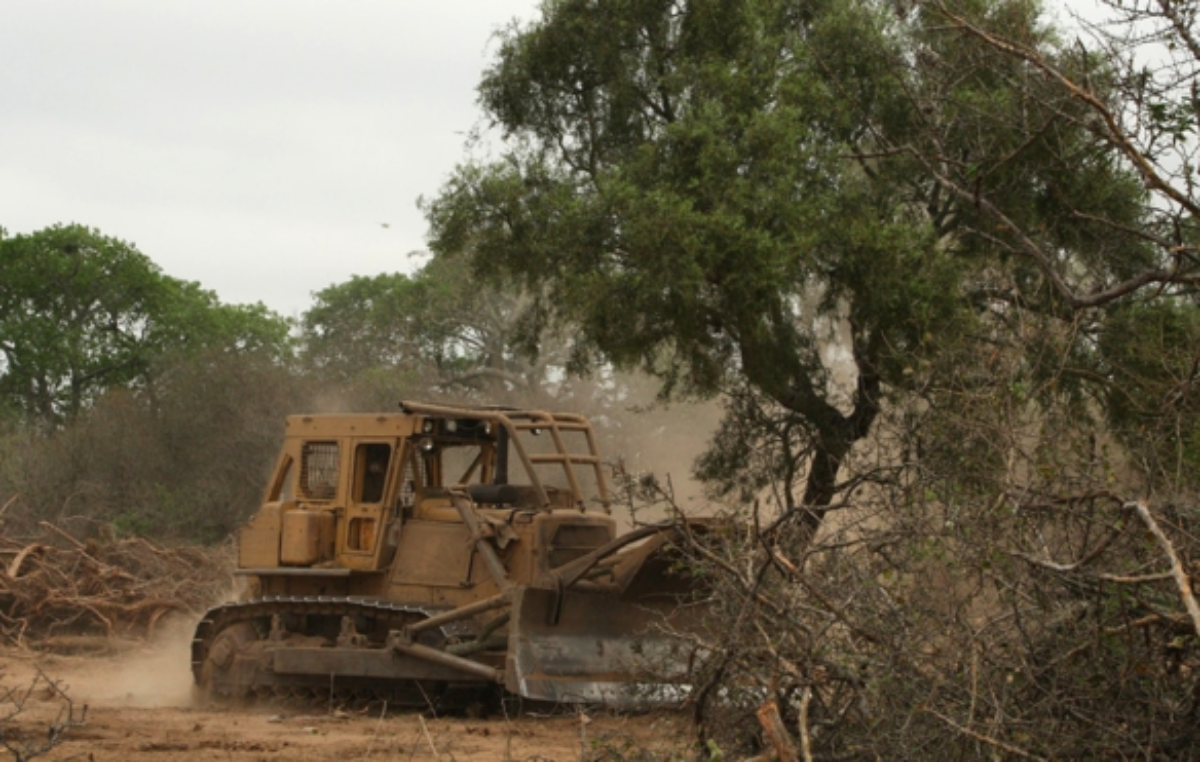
column 139, row 707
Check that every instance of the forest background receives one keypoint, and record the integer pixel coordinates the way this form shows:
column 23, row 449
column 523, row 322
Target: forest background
column 936, row 261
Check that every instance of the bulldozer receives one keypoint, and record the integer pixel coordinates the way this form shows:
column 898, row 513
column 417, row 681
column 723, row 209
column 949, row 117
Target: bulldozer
column 434, row 552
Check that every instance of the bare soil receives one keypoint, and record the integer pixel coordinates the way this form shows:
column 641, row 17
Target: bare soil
column 139, row 707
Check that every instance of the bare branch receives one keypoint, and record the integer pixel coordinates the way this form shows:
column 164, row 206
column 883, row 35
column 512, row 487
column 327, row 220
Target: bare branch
column 985, row 739
column 1177, row 571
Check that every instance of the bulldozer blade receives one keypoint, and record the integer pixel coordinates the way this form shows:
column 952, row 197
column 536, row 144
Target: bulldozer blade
column 593, row 646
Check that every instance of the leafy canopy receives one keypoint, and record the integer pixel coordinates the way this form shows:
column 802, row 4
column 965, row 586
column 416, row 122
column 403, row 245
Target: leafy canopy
column 437, row 328
column 804, row 198
column 678, row 185
column 81, row 312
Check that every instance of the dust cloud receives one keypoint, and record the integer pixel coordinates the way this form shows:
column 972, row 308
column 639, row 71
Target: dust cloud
column 646, row 438
column 149, row 675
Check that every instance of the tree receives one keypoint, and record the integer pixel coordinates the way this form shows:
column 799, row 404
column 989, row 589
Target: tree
column 81, row 312
column 677, row 191
column 437, row 329
column 728, row 193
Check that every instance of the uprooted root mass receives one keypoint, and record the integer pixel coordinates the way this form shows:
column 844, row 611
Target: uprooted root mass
column 56, row 586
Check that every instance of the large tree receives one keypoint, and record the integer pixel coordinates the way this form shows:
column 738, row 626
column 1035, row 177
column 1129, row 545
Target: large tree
column 737, row 194
column 81, row 312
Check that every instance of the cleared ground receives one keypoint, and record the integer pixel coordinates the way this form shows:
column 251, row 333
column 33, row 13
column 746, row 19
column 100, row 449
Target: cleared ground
column 140, row 708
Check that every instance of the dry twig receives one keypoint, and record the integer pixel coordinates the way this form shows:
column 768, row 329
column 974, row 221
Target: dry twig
column 13, row 702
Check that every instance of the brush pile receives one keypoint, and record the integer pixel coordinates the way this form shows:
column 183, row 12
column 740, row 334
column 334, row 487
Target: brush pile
column 57, row 587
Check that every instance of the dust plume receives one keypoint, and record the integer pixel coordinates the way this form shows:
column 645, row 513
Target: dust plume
column 648, row 438
column 156, row 673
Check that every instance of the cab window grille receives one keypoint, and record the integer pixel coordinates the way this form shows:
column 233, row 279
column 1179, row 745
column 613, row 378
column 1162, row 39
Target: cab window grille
column 319, row 464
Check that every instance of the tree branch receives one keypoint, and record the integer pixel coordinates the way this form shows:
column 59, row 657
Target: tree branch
column 1116, row 135
column 1177, row 571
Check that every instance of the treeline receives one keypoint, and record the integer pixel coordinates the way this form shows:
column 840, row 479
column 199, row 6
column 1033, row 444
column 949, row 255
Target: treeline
column 134, row 400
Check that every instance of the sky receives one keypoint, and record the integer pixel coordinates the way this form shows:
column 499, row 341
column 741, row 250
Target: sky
column 264, row 148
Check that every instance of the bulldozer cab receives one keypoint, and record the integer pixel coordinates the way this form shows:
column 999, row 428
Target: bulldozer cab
column 344, row 485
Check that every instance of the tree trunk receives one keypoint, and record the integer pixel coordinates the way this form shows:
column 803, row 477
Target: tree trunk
column 834, row 443
column 820, row 487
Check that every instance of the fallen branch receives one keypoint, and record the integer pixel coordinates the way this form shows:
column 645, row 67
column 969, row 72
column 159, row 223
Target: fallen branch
column 805, row 733
column 27, row 746
column 56, row 585
column 428, row 738
column 14, row 568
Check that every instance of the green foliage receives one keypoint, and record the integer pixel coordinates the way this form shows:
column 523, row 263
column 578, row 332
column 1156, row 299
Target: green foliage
column 1149, row 351
column 685, row 188
column 1032, row 173
column 81, row 312
column 786, row 197
column 364, row 323
column 75, row 315
column 435, row 329
column 129, row 397
column 681, row 188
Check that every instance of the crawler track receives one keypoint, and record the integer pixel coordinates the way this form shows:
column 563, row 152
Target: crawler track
column 317, row 621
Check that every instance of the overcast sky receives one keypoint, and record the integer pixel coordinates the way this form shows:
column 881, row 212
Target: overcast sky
column 256, row 146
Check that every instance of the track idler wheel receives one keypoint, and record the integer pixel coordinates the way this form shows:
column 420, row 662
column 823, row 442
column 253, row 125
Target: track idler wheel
column 230, row 668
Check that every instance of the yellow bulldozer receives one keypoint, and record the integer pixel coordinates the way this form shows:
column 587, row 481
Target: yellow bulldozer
column 438, row 550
